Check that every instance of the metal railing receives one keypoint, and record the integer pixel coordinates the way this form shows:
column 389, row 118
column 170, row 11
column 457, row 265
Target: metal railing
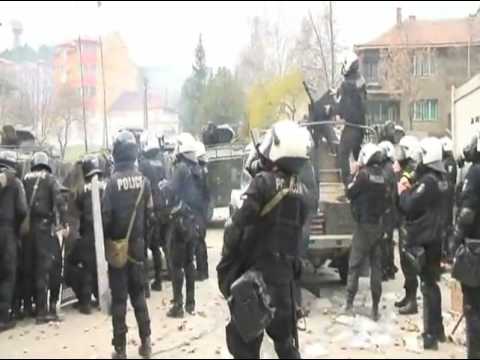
column 371, row 134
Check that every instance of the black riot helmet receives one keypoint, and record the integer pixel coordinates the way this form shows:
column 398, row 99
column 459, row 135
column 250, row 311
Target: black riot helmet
column 8, row 159
column 125, row 147
column 41, row 161
column 91, row 166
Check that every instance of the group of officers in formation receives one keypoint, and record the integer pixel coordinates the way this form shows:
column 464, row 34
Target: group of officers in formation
column 144, row 206
column 409, row 186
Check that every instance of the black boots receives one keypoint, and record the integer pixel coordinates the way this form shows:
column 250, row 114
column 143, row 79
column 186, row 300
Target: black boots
column 145, row 350
column 408, row 305
column 85, row 308
column 120, row 352
column 176, row 312
column 430, row 342
column 190, row 308
column 120, row 347
column 410, row 308
column 402, row 303
column 157, row 284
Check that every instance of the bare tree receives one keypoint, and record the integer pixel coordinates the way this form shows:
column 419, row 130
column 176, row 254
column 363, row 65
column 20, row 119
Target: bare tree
column 398, row 67
column 269, row 54
column 7, row 95
column 27, row 95
column 66, row 110
column 317, row 49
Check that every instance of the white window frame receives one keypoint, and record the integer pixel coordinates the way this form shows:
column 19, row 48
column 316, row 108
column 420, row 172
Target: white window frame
column 425, row 107
column 421, row 61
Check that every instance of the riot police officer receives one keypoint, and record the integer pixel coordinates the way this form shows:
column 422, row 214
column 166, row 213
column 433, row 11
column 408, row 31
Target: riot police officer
column 467, row 233
column 41, row 248
column 151, row 166
column 274, row 209
column 84, row 251
column 408, row 157
column 389, row 220
column 201, row 255
column 187, row 224
column 351, row 108
column 450, row 165
column 422, row 206
column 368, row 195
column 127, row 209
column 13, row 209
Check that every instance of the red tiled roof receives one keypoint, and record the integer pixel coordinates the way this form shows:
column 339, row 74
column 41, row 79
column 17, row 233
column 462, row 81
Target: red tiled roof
column 436, row 33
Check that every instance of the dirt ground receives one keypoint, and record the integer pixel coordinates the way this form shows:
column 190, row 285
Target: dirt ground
column 327, row 333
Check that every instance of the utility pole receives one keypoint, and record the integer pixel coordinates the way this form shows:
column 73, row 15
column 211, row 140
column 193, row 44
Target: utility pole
column 145, row 96
column 105, row 121
column 83, row 94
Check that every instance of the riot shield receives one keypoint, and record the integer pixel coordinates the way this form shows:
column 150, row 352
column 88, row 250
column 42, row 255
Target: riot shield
column 104, row 296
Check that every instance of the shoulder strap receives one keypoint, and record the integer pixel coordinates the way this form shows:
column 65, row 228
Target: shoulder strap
column 134, row 214
column 34, row 193
column 279, row 197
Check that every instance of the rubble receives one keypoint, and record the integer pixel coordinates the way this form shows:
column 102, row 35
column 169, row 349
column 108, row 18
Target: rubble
column 315, row 351
column 412, row 344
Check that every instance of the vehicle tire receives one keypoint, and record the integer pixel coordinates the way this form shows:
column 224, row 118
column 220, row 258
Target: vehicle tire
column 342, row 266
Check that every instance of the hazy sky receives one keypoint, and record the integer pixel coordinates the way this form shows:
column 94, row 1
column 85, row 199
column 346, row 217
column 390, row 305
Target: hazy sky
column 166, row 33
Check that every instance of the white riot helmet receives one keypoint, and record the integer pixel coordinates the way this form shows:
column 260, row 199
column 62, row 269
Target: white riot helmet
column 409, row 149
column 432, row 153
column 369, row 154
column 149, row 142
column 350, row 64
column 186, row 146
column 388, row 150
column 287, row 145
column 201, row 152
column 447, row 144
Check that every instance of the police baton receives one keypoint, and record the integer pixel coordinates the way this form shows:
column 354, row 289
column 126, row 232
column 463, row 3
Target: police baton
column 296, row 342
column 450, row 337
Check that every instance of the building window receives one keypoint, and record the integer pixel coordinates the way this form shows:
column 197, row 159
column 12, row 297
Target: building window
column 425, row 110
column 423, row 64
column 371, row 72
column 379, row 112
